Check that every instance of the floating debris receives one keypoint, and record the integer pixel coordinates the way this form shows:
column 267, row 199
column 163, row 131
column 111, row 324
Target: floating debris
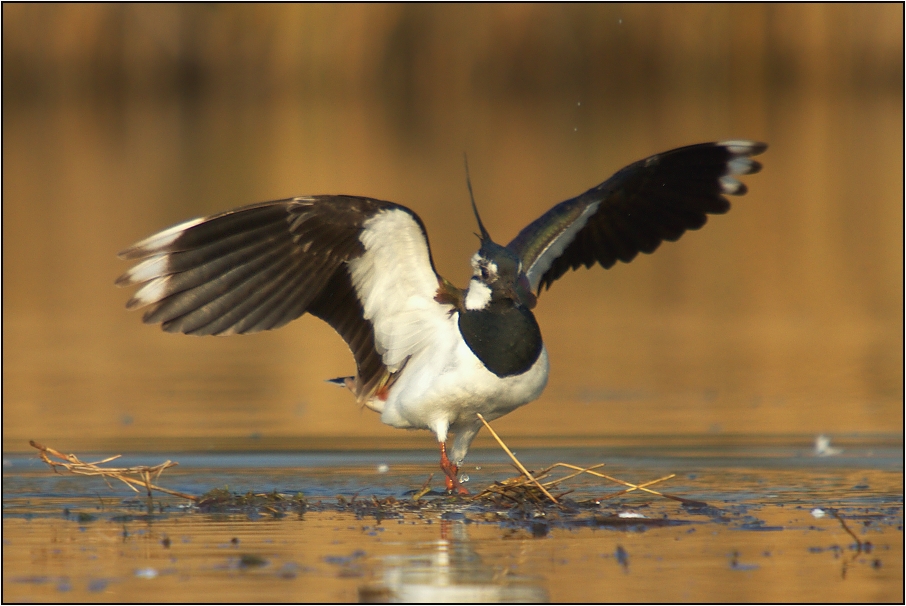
column 859, row 545
column 528, row 495
column 735, row 564
column 528, row 488
column 251, row 560
column 622, row 557
column 72, row 464
column 221, row 500
column 823, row 447
column 146, row 573
column 516, row 461
column 630, row 514
column 425, row 489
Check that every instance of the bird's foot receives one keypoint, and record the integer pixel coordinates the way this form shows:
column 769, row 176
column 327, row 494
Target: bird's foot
column 451, row 471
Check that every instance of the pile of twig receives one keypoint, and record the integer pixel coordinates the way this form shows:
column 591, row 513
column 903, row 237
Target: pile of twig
column 133, row 477
column 529, row 487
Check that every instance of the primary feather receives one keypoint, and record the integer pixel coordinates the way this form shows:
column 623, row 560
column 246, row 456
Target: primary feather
column 650, row 201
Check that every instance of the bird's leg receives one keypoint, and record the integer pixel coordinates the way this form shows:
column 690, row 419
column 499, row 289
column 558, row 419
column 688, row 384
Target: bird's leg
column 451, row 471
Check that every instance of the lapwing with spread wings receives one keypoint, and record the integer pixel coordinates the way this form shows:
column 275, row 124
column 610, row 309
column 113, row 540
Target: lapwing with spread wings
column 428, row 355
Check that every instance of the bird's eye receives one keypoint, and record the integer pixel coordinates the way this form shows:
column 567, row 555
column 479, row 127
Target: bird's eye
column 484, row 272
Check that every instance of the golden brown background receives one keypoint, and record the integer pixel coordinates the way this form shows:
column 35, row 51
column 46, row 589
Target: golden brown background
column 783, row 317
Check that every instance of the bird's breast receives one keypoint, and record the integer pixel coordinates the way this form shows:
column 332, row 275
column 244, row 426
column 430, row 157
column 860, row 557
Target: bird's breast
column 505, row 338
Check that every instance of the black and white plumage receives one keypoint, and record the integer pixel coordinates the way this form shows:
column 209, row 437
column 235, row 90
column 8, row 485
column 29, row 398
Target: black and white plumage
column 428, row 355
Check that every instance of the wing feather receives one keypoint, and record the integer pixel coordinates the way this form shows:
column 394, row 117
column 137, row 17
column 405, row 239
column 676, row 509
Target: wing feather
column 260, row 266
column 648, row 202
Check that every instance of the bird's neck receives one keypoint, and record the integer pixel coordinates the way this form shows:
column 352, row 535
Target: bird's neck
column 478, row 295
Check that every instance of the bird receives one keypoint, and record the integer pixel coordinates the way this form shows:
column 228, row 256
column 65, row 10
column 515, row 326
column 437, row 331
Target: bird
column 428, row 355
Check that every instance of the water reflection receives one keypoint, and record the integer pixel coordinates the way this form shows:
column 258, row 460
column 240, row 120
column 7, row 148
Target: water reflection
column 449, row 570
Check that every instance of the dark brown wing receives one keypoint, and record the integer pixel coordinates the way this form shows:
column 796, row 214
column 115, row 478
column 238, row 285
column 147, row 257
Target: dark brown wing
column 258, row 267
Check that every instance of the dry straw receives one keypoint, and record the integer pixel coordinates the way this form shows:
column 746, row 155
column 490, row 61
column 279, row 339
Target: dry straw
column 524, row 488
column 133, row 477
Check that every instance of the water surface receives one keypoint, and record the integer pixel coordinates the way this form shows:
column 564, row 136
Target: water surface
column 767, row 533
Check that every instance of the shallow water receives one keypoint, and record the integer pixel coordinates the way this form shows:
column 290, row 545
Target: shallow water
column 758, row 539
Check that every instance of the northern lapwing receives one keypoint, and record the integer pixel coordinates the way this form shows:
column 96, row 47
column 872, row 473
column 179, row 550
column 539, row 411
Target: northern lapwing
column 428, row 355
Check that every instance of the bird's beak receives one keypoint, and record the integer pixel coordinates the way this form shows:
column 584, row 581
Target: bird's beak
column 522, row 293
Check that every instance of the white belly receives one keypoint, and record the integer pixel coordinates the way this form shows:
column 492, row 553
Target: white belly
column 442, row 389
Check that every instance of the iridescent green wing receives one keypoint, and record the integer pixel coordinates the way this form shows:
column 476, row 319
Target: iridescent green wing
column 644, row 204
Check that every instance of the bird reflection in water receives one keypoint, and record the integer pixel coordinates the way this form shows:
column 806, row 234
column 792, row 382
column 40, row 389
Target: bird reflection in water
column 449, row 570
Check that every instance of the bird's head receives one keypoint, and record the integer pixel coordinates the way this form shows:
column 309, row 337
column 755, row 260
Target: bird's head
column 497, row 272
column 497, row 275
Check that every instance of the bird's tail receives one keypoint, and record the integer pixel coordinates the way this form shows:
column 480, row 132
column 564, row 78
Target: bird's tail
column 347, row 382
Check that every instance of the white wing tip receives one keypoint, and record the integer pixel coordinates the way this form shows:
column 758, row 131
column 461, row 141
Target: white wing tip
column 147, row 270
column 743, row 147
column 152, row 292
column 731, row 187
column 160, row 240
column 740, row 165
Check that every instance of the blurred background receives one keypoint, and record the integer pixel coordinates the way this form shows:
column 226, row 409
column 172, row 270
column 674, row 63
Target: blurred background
column 783, row 317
